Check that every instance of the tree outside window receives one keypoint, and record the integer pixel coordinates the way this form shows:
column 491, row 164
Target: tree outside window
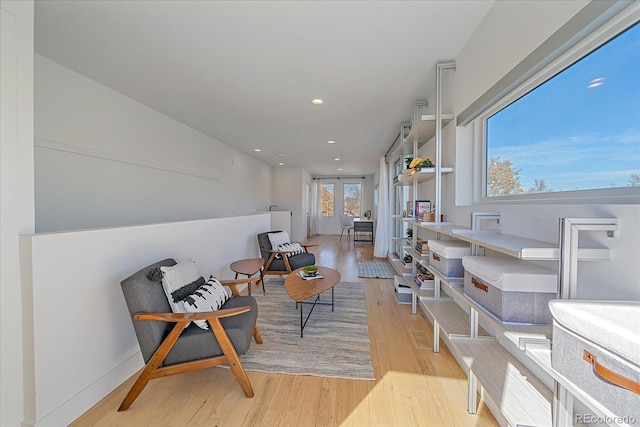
column 327, row 200
column 352, row 199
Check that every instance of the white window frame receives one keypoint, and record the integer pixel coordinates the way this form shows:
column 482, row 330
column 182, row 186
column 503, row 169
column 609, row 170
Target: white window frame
column 618, row 195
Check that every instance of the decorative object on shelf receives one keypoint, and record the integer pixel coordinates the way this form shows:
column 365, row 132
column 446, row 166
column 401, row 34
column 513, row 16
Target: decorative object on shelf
column 418, row 163
column 422, row 210
column 408, row 161
column 409, row 232
column 432, row 215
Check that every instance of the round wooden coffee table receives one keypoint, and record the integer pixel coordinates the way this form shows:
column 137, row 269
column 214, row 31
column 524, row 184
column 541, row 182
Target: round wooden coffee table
column 300, row 289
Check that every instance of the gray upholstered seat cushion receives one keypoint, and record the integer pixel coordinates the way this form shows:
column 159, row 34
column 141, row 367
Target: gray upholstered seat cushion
column 145, row 296
column 295, row 261
column 196, row 343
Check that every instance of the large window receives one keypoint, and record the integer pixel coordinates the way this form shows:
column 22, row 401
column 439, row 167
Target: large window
column 352, row 199
column 579, row 130
column 327, row 200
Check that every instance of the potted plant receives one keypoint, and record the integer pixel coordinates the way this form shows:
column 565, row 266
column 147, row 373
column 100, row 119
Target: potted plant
column 408, row 161
column 418, row 163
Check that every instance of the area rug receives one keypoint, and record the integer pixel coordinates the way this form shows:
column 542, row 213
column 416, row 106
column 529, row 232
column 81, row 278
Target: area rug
column 375, row 269
column 335, row 344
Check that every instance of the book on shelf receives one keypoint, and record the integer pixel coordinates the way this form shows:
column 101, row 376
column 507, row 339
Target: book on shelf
column 422, row 210
column 424, row 281
column 422, row 247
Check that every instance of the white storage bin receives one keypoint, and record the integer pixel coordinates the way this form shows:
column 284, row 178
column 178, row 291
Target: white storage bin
column 446, row 256
column 511, row 289
column 596, row 346
column 403, row 293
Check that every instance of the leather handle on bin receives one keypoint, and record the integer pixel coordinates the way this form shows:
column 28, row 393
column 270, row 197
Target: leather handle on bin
column 479, row 285
column 609, row 375
column 436, row 257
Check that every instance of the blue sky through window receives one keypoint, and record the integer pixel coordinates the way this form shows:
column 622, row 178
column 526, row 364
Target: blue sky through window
column 581, row 129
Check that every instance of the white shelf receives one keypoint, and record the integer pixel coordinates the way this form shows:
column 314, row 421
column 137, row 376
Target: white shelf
column 517, row 333
column 421, row 293
column 400, row 269
column 451, row 318
column 425, row 174
column 416, row 255
column 445, row 279
column 426, row 129
column 523, row 248
column 446, row 228
column 521, row 398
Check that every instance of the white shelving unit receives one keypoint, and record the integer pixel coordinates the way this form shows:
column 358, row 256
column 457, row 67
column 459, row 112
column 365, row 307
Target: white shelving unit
column 423, row 129
column 509, row 363
column 516, row 364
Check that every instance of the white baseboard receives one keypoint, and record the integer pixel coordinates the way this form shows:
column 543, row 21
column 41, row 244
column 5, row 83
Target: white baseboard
column 78, row 404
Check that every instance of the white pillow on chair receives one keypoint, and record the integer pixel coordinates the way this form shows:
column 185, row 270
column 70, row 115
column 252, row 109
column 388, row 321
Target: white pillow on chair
column 293, row 246
column 209, row 297
column 175, row 277
column 279, row 238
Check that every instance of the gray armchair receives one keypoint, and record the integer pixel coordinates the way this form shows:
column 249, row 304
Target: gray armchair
column 282, row 265
column 170, row 344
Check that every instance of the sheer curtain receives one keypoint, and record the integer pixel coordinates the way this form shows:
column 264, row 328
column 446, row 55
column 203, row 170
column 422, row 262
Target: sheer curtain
column 381, row 245
column 315, row 206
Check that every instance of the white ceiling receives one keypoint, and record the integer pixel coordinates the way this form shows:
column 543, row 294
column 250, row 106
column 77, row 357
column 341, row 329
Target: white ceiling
column 244, row 72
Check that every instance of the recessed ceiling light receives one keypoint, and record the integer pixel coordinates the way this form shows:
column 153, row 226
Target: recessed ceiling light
column 337, row 158
column 331, row 141
column 317, row 101
column 257, row 150
column 280, row 164
column 339, row 169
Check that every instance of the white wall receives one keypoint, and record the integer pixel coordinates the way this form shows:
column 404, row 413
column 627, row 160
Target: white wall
column 509, row 32
column 78, row 304
column 16, row 199
column 288, row 192
column 103, row 159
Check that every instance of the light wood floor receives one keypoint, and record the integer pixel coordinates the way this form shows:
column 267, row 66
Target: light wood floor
column 413, row 386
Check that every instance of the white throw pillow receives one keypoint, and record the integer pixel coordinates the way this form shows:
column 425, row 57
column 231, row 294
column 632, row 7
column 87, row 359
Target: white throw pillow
column 175, row 277
column 293, row 246
column 278, row 239
column 209, row 297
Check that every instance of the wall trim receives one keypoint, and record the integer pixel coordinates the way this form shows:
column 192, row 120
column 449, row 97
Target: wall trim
column 114, row 157
column 93, row 393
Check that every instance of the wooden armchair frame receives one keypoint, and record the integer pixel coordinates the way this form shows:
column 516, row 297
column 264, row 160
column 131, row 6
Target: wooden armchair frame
column 285, row 259
column 233, row 284
column 154, row 369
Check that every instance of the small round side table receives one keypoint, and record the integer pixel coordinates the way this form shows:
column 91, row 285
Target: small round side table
column 249, row 267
